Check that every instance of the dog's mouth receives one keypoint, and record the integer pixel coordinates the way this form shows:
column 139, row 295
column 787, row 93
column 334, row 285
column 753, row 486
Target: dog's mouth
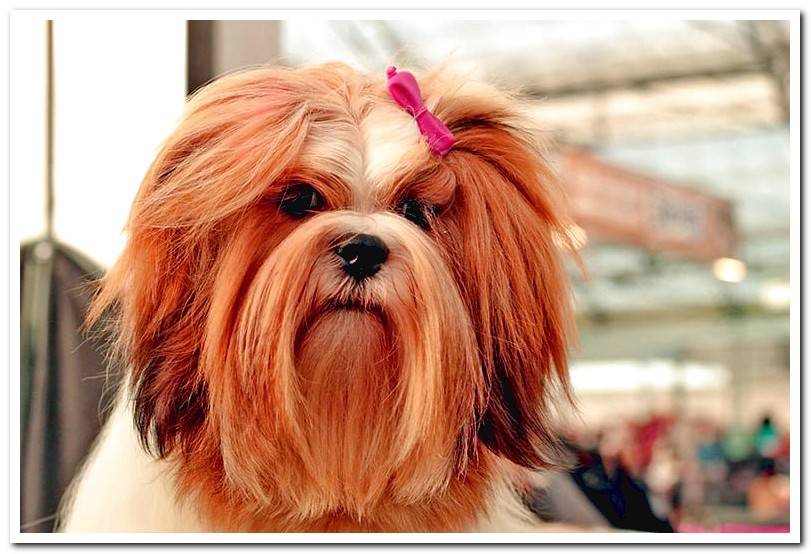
column 346, row 313
column 352, row 305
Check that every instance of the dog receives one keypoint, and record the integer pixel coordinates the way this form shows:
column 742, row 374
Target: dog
column 329, row 326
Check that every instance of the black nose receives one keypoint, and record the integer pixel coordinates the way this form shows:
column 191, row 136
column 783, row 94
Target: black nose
column 363, row 256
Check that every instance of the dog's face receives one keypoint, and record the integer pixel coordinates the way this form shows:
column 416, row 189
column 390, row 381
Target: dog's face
column 320, row 314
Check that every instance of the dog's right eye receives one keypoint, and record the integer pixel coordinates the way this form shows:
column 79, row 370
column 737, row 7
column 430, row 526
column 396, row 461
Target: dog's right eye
column 300, row 199
column 417, row 212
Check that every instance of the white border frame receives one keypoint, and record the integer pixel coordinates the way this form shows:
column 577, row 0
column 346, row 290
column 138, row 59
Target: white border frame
column 793, row 16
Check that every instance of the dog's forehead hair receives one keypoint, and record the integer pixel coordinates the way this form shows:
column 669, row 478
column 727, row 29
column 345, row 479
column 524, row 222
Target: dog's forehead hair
column 370, row 143
column 391, row 141
column 368, row 147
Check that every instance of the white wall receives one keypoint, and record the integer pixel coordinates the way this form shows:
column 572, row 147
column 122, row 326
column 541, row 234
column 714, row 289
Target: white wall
column 120, row 80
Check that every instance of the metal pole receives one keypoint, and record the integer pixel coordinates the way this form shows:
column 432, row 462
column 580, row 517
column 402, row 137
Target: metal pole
column 49, row 131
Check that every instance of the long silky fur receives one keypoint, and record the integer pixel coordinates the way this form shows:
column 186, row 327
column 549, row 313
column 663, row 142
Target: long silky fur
column 279, row 412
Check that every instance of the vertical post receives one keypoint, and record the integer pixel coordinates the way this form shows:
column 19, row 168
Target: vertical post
column 218, row 47
column 49, row 130
column 198, row 54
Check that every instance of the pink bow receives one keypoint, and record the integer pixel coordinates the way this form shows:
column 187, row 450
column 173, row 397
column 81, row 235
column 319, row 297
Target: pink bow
column 403, row 87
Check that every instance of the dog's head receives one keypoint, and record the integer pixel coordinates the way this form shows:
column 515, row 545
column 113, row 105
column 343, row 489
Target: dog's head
column 320, row 313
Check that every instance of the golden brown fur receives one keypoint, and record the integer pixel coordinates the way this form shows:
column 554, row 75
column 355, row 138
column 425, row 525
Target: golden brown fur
column 280, row 412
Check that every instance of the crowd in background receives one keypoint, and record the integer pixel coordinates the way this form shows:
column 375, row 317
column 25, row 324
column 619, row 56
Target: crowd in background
column 663, row 473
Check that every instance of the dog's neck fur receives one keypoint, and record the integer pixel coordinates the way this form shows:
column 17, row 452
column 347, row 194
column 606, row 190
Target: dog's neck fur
column 122, row 488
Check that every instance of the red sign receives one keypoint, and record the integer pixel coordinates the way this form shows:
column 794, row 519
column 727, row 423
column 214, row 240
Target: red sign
column 618, row 205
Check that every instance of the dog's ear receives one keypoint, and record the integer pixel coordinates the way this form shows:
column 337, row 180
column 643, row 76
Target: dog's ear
column 148, row 299
column 509, row 230
column 237, row 136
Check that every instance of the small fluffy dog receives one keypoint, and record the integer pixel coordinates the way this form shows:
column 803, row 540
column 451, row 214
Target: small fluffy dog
column 328, row 326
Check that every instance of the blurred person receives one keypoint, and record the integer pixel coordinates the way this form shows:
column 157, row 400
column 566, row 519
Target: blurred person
column 621, row 497
column 766, row 438
column 781, row 455
column 663, row 477
column 737, row 444
column 712, row 464
column 647, row 434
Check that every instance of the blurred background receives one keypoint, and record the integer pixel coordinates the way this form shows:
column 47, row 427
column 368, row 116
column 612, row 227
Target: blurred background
column 673, row 144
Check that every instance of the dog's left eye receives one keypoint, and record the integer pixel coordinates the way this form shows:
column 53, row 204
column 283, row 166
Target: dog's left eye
column 300, row 199
column 417, row 212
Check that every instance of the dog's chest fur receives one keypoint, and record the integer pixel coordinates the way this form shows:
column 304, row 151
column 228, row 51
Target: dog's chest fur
column 123, row 489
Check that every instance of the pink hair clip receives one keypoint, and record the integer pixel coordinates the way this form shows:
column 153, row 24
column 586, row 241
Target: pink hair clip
column 403, row 88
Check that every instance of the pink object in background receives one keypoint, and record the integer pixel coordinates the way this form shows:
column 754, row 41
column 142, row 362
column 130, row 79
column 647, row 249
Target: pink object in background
column 403, row 88
column 733, row 528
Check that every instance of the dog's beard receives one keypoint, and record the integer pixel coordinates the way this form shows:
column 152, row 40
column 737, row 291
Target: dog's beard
column 333, row 394
column 349, row 386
